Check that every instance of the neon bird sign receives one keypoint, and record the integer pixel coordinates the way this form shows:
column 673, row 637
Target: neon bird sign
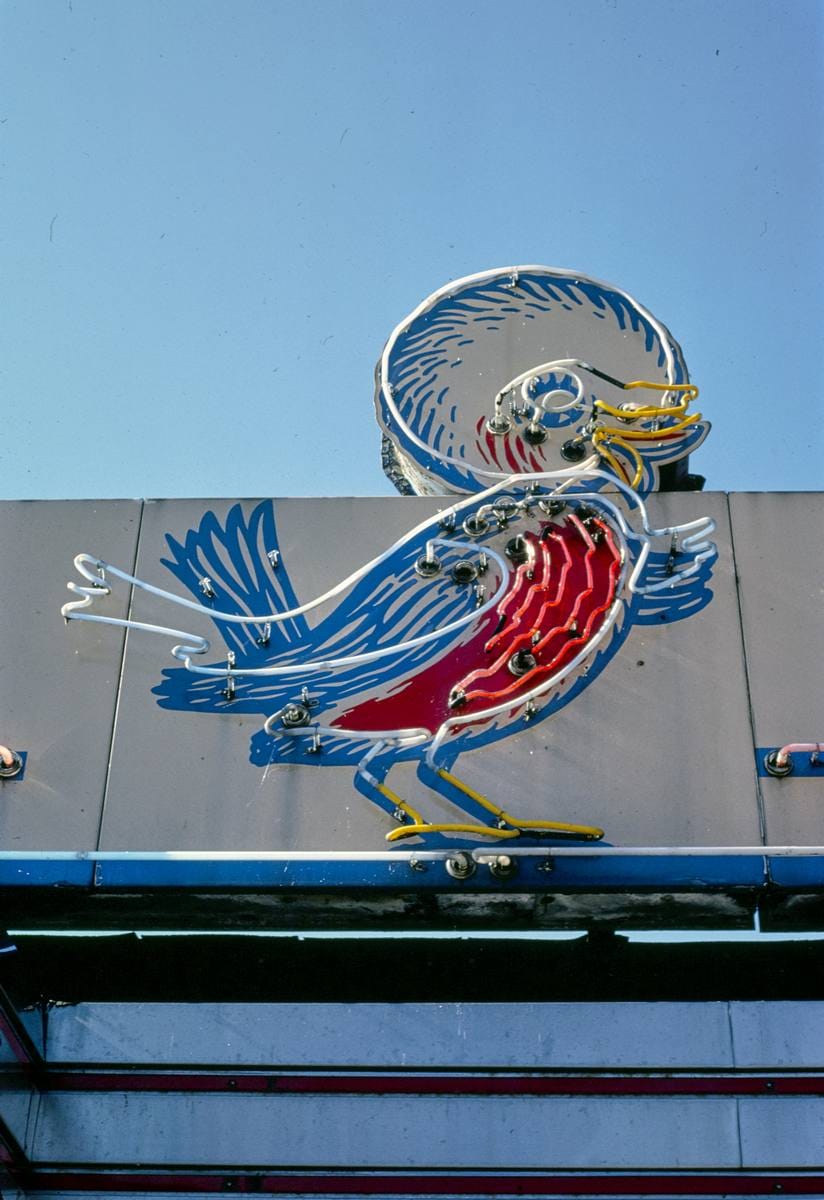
column 481, row 620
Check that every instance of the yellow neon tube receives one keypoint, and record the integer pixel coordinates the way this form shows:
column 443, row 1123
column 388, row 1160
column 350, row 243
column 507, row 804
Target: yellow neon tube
column 603, row 438
column 404, row 831
column 652, row 435
column 395, row 799
column 558, row 826
column 689, row 390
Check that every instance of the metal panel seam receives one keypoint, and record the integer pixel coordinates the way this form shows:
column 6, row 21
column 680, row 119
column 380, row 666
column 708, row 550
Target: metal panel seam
column 33, row 1123
column 762, row 813
column 120, row 675
column 731, row 1030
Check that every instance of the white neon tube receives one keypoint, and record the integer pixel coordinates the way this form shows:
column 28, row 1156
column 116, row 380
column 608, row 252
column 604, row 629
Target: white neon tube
column 479, row 855
column 85, row 561
column 782, row 755
column 649, row 852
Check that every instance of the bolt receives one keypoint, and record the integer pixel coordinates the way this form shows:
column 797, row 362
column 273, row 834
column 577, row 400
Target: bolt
column 461, row 866
column 499, row 425
column 8, row 770
column 427, row 567
column 535, row 434
column 294, row 715
column 573, row 451
column 464, row 572
column 516, row 549
column 475, row 526
column 521, row 663
column 503, row 867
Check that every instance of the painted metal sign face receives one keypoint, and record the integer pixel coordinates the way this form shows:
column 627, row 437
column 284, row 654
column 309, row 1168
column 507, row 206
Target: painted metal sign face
column 531, row 369
column 480, row 621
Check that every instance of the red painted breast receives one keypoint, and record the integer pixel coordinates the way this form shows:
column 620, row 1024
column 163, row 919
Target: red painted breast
column 556, row 602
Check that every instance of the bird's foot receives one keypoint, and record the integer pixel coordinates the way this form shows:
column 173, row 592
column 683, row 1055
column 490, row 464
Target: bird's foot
column 510, row 826
column 422, row 828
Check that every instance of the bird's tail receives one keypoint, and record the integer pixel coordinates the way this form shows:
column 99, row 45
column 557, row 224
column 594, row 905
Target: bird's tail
column 234, row 567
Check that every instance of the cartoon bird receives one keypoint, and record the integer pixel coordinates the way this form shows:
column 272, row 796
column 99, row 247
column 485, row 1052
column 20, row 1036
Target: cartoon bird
column 516, row 392
column 481, row 620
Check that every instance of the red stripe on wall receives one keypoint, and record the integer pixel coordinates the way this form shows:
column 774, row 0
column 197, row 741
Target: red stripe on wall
column 91, row 1080
column 329, row 1184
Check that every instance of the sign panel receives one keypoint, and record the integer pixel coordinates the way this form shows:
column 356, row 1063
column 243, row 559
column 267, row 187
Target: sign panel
column 540, row 672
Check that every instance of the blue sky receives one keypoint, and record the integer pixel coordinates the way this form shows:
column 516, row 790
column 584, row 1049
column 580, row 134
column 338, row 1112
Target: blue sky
column 214, row 212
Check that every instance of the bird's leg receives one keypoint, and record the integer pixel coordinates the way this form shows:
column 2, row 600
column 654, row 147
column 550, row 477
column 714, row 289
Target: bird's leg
column 370, row 783
column 507, row 825
column 369, row 780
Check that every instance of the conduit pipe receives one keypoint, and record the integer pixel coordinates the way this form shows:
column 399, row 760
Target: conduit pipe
column 780, row 761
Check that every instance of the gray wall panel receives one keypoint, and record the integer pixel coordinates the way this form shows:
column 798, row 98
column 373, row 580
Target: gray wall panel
column 18, row 1109
column 403, row 1035
column 778, row 1034
column 387, row 1130
column 780, row 557
column 58, row 684
column 789, row 1134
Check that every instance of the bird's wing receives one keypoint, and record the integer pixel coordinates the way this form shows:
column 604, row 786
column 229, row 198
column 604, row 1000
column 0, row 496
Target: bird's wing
column 390, row 605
